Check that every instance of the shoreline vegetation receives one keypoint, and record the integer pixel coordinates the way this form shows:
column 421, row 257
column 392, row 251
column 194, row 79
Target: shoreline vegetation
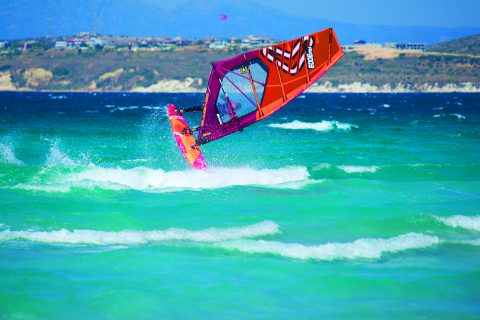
column 364, row 69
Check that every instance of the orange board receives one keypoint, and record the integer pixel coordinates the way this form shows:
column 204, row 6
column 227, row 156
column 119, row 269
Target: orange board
column 185, row 140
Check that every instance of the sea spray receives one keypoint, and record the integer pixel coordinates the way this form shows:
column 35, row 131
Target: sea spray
column 7, row 155
column 57, row 158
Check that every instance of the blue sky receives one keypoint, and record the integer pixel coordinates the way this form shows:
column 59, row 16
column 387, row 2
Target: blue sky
column 427, row 21
column 440, row 13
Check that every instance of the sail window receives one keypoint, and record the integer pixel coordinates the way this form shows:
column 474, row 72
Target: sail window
column 237, row 97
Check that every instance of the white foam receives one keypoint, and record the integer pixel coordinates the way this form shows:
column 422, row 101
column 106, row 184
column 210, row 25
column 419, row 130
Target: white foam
column 57, row 157
column 317, row 126
column 141, row 160
column 152, row 107
column 158, row 180
column 44, row 188
column 128, row 108
column 457, row 115
column 385, row 105
column 322, row 166
column 7, row 155
column 362, row 248
column 130, row 237
column 142, row 178
column 358, row 169
column 459, row 221
column 58, row 97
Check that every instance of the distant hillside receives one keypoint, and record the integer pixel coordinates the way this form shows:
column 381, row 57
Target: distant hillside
column 468, row 45
column 189, row 69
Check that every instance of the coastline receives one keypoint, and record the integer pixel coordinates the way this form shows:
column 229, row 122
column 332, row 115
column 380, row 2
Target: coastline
column 364, row 70
column 325, row 87
column 196, row 85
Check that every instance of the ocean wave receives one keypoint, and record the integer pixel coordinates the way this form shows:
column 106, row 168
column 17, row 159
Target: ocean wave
column 152, row 107
column 158, row 180
column 317, row 126
column 370, row 248
column 232, row 239
column 471, row 242
column 457, row 115
column 7, row 155
column 358, row 169
column 459, row 221
column 129, row 237
column 54, row 97
column 322, row 166
column 49, row 187
column 347, row 169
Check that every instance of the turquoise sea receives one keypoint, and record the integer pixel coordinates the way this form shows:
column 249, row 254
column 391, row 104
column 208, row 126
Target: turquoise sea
column 337, row 206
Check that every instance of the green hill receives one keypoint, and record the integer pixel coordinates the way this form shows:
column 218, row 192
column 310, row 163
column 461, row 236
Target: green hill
column 468, row 45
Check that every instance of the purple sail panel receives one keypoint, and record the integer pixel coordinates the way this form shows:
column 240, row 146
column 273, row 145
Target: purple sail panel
column 220, row 116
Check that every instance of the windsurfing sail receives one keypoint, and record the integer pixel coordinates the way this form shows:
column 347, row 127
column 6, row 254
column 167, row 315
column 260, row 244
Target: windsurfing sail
column 253, row 85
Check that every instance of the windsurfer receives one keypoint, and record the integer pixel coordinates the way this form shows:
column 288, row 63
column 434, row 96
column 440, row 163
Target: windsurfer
column 182, row 111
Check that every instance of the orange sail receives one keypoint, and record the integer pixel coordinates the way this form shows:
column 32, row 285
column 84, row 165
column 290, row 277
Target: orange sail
column 251, row 86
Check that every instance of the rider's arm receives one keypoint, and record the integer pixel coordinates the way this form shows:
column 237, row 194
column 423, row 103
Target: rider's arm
column 193, row 108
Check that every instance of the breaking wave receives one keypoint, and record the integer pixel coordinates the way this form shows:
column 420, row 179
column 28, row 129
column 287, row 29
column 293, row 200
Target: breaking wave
column 370, row 248
column 129, row 237
column 317, row 126
column 232, row 239
column 158, row 180
column 459, row 221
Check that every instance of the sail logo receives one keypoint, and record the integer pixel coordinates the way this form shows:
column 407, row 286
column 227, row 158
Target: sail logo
column 292, row 59
column 310, row 61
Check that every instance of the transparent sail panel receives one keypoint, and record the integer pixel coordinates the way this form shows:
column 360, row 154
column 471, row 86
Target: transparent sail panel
column 239, row 98
column 259, row 75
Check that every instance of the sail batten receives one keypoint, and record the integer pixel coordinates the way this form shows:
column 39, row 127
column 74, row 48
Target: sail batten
column 253, row 85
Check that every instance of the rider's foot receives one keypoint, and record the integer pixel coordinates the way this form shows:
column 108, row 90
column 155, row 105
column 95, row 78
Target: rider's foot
column 185, row 131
